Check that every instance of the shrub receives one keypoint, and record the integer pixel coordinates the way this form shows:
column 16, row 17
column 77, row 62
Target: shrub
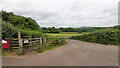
column 8, row 30
column 106, row 36
column 33, row 33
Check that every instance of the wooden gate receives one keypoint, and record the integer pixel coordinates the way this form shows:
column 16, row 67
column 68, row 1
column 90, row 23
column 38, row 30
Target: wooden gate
column 26, row 41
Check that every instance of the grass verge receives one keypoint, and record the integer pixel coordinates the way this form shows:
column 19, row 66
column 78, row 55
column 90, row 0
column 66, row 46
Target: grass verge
column 12, row 52
column 106, row 36
column 50, row 45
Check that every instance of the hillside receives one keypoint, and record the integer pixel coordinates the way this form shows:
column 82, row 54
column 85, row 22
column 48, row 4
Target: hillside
column 106, row 36
column 12, row 24
column 20, row 21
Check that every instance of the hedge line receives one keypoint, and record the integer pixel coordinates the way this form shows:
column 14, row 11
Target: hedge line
column 106, row 36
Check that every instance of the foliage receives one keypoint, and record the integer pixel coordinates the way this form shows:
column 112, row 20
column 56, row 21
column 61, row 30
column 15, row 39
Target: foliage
column 33, row 33
column 89, row 29
column 50, row 45
column 116, row 27
column 12, row 24
column 50, row 30
column 106, row 36
column 12, row 52
column 20, row 21
column 70, row 29
column 8, row 30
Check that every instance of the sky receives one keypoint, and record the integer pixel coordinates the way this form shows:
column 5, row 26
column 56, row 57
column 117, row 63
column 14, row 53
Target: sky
column 66, row 13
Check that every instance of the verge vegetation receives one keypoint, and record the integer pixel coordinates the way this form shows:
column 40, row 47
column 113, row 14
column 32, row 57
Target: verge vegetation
column 106, row 36
column 51, row 44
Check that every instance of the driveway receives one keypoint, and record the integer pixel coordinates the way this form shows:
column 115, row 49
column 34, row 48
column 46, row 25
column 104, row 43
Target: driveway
column 75, row 53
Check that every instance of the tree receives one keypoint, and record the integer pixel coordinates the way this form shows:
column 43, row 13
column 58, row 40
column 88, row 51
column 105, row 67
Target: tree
column 20, row 21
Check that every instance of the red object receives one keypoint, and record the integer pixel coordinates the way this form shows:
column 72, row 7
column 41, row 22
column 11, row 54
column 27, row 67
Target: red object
column 6, row 45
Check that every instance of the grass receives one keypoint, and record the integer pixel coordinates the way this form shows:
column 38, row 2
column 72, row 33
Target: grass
column 12, row 52
column 0, row 51
column 63, row 34
column 50, row 45
column 69, row 33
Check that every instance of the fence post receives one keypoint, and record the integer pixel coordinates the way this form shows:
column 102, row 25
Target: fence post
column 59, row 40
column 30, row 40
column 43, row 40
column 20, row 42
column 21, row 45
column 40, row 40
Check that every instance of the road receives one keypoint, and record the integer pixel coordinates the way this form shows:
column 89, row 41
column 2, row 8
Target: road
column 75, row 53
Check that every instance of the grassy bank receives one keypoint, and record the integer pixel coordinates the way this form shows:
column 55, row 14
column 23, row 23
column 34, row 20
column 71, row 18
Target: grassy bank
column 12, row 52
column 51, row 45
column 107, row 36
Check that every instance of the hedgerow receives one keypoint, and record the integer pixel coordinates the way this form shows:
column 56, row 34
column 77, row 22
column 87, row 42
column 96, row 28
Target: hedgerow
column 10, row 31
column 106, row 36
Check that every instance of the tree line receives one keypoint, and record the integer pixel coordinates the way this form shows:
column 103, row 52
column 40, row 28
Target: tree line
column 70, row 29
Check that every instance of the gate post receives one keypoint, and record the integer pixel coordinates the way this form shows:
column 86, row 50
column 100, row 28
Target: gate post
column 40, row 40
column 43, row 40
column 30, row 40
column 20, row 42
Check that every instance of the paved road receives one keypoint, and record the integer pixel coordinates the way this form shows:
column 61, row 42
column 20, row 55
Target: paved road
column 75, row 53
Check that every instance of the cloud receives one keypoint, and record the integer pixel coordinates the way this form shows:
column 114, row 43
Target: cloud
column 65, row 13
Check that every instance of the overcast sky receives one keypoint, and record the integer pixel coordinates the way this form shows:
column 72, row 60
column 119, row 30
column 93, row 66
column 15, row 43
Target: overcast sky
column 66, row 13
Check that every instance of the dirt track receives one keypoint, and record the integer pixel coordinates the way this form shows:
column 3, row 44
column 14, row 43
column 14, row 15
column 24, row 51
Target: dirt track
column 75, row 53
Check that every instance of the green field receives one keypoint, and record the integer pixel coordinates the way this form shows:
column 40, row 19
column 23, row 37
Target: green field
column 64, row 34
column 69, row 33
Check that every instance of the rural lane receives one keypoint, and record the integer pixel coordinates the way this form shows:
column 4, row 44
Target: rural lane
column 75, row 53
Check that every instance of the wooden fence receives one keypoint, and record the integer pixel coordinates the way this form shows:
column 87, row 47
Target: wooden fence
column 23, row 41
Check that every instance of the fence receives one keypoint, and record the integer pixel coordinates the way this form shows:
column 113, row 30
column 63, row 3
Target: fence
column 23, row 41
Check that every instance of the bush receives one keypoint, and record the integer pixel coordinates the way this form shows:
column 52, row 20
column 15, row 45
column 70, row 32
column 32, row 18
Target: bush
column 106, row 36
column 33, row 33
column 20, row 21
column 8, row 30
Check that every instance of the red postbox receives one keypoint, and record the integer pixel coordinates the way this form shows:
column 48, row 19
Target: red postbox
column 6, row 44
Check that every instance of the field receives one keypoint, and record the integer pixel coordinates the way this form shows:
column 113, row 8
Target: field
column 63, row 34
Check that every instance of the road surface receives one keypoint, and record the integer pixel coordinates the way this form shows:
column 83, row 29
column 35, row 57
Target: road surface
column 75, row 53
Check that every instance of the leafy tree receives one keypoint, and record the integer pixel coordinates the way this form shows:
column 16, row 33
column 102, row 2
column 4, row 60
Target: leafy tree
column 12, row 23
column 20, row 21
column 8, row 30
